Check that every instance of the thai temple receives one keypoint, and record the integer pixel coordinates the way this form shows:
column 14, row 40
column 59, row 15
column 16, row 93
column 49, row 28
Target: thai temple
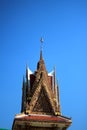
column 40, row 107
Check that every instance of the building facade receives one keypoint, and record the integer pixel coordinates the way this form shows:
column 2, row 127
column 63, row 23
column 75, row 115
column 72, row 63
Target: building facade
column 40, row 109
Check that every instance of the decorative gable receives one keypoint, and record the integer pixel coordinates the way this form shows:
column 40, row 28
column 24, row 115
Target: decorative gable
column 41, row 92
column 43, row 105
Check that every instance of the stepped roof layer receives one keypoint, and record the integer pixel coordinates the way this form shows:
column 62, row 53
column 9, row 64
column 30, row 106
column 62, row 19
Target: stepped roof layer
column 42, row 120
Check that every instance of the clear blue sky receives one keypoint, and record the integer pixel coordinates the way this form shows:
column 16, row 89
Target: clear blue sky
column 63, row 24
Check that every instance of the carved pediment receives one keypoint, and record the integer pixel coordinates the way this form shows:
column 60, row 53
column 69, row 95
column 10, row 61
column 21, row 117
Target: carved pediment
column 43, row 104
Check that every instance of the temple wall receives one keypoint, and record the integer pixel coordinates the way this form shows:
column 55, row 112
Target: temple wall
column 37, row 128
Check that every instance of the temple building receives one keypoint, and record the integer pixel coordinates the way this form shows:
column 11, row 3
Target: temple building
column 40, row 108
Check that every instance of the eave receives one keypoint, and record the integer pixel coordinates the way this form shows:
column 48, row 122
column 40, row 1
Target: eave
column 42, row 121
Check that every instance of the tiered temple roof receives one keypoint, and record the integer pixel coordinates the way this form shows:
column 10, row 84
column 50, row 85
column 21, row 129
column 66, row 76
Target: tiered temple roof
column 40, row 101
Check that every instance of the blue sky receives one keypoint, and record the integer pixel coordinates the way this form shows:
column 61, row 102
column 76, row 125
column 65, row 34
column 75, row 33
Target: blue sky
column 63, row 24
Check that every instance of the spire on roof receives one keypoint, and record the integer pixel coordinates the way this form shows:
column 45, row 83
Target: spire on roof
column 55, row 91
column 23, row 80
column 26, row 71
column 41, row 46
column 59, row 110
column 41, row 57
column 55, row 86
column 23, row 95
column 41, row 64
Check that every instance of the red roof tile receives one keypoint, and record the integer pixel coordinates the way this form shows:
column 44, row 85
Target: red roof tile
column 44, row 118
